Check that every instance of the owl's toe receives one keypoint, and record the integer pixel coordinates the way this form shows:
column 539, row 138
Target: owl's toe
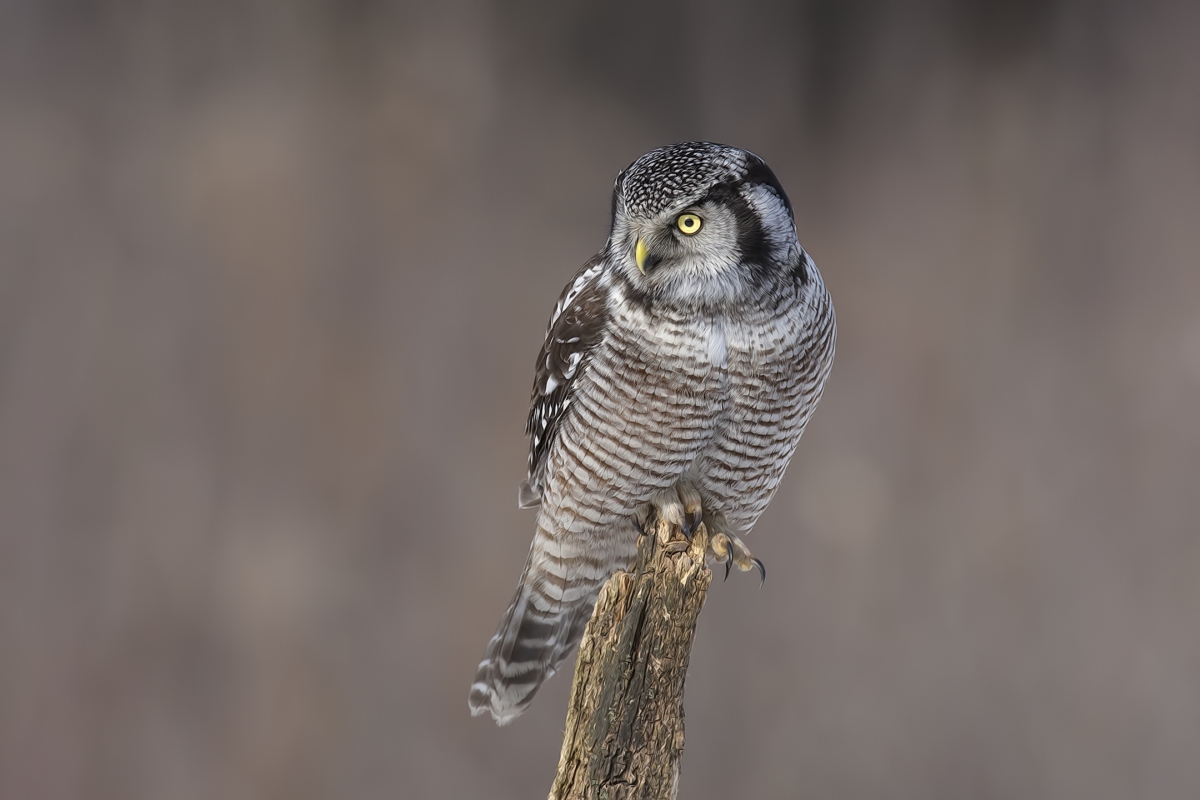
column 721, row 550
column 730, row 550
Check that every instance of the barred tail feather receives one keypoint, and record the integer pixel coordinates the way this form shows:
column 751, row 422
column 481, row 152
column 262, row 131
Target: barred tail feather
column 528, row 648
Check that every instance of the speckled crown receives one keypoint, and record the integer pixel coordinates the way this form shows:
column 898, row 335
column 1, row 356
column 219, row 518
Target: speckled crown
column 663, row 177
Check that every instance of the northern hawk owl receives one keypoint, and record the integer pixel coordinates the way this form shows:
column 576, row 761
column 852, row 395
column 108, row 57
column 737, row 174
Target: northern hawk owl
column 680, row 367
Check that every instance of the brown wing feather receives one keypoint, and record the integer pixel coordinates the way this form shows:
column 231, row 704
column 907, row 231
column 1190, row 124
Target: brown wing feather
column 576, row 327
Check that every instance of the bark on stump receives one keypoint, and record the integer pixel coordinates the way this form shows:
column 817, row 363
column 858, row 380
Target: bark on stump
column 624, row 734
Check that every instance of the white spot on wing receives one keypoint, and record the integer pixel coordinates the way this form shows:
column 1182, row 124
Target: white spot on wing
column 576, row 288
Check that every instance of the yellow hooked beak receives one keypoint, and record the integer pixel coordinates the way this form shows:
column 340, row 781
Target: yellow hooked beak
column 640, row 253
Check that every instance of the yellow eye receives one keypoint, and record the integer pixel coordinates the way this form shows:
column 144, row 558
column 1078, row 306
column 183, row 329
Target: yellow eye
column 688, row 224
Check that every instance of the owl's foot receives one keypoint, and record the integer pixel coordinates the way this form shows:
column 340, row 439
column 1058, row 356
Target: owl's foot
column 728, row 549
column 680, row 507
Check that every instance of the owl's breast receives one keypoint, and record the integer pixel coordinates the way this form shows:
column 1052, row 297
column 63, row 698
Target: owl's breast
column 770, row 392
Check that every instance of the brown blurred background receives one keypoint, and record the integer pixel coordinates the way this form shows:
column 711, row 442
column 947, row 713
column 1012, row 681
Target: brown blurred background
column 272, row 279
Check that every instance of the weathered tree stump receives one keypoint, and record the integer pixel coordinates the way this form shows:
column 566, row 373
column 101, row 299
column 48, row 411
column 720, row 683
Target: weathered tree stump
column 624, row 734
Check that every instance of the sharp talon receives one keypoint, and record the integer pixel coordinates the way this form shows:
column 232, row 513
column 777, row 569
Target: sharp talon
column 762, row 571
column 688, row 528
column 728, row 564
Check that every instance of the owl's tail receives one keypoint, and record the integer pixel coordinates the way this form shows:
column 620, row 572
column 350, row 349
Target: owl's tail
column 535, row 635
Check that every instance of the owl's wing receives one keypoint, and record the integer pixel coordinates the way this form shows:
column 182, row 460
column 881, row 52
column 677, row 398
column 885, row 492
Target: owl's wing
column 576, row 327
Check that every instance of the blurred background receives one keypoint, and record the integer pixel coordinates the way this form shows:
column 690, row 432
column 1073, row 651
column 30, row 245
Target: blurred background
column 272, row 280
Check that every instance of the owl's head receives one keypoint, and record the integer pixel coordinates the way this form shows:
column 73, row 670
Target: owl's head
column 701, row 222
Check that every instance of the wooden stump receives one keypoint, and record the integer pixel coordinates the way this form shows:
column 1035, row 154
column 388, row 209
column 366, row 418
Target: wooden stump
column 624, row 734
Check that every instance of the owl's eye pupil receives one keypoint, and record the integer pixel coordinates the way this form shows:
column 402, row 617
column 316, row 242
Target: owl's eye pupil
column 688, row 223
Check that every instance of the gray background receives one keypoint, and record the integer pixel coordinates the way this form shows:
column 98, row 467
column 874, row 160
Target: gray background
column 272, row 279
